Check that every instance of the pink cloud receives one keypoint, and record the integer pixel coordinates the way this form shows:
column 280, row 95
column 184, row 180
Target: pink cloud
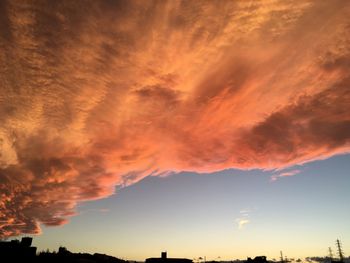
column 100, row 93
column 284, row 174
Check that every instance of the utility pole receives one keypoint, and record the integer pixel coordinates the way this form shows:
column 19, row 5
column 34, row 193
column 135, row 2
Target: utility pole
column 340, row 252
column 282, row 260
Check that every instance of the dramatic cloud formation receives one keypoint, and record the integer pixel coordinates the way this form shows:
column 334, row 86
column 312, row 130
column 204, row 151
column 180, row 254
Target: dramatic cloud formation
column 99, row 93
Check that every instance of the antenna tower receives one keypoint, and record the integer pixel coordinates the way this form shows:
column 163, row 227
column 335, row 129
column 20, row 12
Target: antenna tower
column 340, row 252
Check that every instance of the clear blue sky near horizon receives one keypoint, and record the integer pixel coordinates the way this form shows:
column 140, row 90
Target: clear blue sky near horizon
column 229, row 214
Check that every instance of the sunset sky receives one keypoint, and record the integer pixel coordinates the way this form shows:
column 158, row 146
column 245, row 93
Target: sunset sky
column 205, row 128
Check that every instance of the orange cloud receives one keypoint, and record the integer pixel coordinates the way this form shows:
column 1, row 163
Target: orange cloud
column 99, row 93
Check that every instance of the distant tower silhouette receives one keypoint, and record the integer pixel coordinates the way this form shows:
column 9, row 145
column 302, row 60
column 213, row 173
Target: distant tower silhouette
column 282, row 260
column 330, row 253
column 340, row 252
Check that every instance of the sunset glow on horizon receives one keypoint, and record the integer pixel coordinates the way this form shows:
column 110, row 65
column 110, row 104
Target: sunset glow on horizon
column 99, row 94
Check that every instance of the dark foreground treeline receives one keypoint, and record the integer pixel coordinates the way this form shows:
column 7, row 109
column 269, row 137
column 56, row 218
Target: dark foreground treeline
column 23, row 252
column 62, row 257
column 69, row 257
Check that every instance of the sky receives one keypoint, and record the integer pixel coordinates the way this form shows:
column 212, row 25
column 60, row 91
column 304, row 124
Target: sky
column 229, row 214
column 103, row 101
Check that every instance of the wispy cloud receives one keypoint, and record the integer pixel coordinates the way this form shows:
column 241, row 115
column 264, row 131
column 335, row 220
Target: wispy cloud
column 284, row 174
column 242, row 222
column 243, row 218
column 95, row 94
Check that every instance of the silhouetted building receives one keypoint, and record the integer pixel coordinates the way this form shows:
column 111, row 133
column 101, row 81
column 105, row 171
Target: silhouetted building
column 165, row 259
column 13, row 250
column 26, row 241
column 259, row 259
column 63, row 251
